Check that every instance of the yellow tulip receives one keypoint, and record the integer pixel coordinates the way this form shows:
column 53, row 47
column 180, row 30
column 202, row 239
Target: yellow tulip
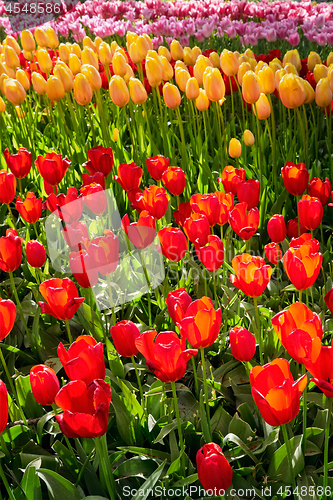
column 76, row 49
column 320, row 71
column 129, row 73
column 118, row 91
column 97, row 42
column 13, row 91
column 182, row 78
column 163, row 51
column 329, row 60
column 143, row 46
column 248, row 137
column 82, row 90
column 3, row 78
column 262, row 108
column 323, row 93
column 88, row 43
column 313, row 59
column 213, row 84
column 41, row 37
column 54, row 89
column 291, row 89
column 28, row 41
column 38, row 83
column 115, row 134
column 167, row 69
column 229, row 63
column 309, row 92
column 119, row 64
column 199, row 68
column 235, row 148
column 154, row 71
column 202, row 101
column 196, row 52
column 261, row 65
column 11, row 58
column 275, row 66
column 88, row 56
column 137, row 91
column 65, row 76
column 171, row 96
column 21, row 76
column 11, row 42
column 290, row 68
column 249, row 53
column 64, row 52
column 53, row 40
column 243, row 68
column 104, row 53
column 188, row 57
column 44, row 61
column 176, row 50
column 267, row 80
column 130, row 38
column 251, row 87
column 215, row 60
column 192, row 89
column 92, row 75
column 292, row 56
column 74, row 64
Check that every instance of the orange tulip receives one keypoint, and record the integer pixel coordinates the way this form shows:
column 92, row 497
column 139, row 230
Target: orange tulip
column 252, row 274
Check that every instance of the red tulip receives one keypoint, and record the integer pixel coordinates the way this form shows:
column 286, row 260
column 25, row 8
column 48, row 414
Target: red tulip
column 226, row 203
column 84, row 359
column 174, row 179
column 100, row 160
column 50, row 189
column 83, row 268
column 104, row 252
column 20, row 163
column 322, row 370
column 244, row 223
column 129, row 176
column 201, row 324
column 3, row 406
column 7, row 317
column 300, row 331
column 273, row 253
column 10, row 251
column 276, row 228
column 86, row 408
column 62, row 298
column 36, row 255
column 211, row 255
column 155, row 201
column 156, row 166
column 173, row 243
column 44, row 384
column 310, row 211
column 197, row 229
column 135, row 196
column 275, row 392
column 166, row 354
column 30, row 209
column 320, row 189
column 141, row 233
column 52, row 167
column 97, row 178
column 252, row 274
column 94, row 198
column 124, row 335
column 231, row 177
column 295, row 178
column 7, row 187
column 302, row 265
column 67, row 207
column 242, row 344
column 184, row 212
column 329, row 300
column 249, row 192
column 177, row 303
column 292, row 228
column 75, row 234
column 206, row 204
column 214, row 470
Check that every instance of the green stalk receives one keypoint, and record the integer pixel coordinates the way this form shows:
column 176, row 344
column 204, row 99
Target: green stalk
column 286, row 440
column 114, row 319
column 327, row 437
column 91, row 123
column 304, row 412
column 11, row 216
column 202, row 352
column 70, row 338
column 104, row 463
column 18, row 303
column 138, row 380
column 179, row 426
column 258, row 331
column 303, row 136
column 232, row 107
column 5, row 482
column 10, row 381
column 259, row 149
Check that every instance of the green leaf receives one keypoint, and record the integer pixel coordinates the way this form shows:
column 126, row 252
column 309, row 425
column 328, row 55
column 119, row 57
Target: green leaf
column 31, row 485
column 147, row 452
column 136, row 466
column 235, row 439
column 148, row 485
column 165, row 431
column 220, row 420
column 279, row 466
column 187, row 480
column 133, row 404
column 57, row 486
column 203, row 420
column 240, row 428
column 67, row 458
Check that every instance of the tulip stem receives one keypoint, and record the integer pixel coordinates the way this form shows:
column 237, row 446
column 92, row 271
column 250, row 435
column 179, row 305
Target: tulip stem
column 327, row 437
column 11, row 216
column 215, row 292
column 11, row 495
column 203, row 362
column 179, row 424
column 91, row 123
column 104, row 463
column 10, row 381
column 232, row 107
column 18, row 303
column 286, row 441
column 259, row 149
column 300, row 296
column 258, row 331
column 138, row 379
column 304, row 412
column 70, row 338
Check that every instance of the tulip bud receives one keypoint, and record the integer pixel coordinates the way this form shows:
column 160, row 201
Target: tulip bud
column 251, row 87
column 309, row 92
column 278, row 77
column 53, row 37
column 88, row 43
column 188, row 57
column 242, row 58
column 54, row 89
column 11, row 58
column 253, row 64
column 290, row 68
column 143, row 45
column 320, row 71
column 292, row 93
column 242, row 344
column 275, row 66
column 118, row 91
column 115, row 134
column 88, row 56
column 104, row 53
column 130, row 38
column 248, row 137
column 235, row 148
column 11, row 42
column 163, row 51
column 267, row 80
column 229, row 63
column 192, row 89
column 182, row 78
column 64, row 52
column 44, row 61
column 261, row 65
column 199, row 68
column 44, row 384
column 114, row 46
column 243, row 68
column 93, row 76
column 137, row 91
column 41, row 37
column 202, row 101
column 119, row 64
column 292, row 56
column 76, row 49
column 176, row 50
column 329, row 60
column 2, row 106
column 154, row 71
column 313, row 60
column 171, row 96
column 27, row 41
column 196, row 52
column 167, row 69
column 213, row 84
column 323, row 93
column 74, row 64
column 82, row 90
column 21, row 76
column 65, row 76
column 38, row 83
column 97, row 42
column 262, row 108
column 36, row 255
column 215, row 60
column 14, row 91
column 249, row 53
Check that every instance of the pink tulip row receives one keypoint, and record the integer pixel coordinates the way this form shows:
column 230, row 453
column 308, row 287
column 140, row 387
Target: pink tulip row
column 250, row 21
